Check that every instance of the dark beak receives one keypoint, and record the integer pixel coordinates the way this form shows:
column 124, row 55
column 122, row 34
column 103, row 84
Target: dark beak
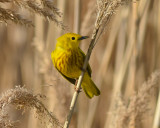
column 83, row 37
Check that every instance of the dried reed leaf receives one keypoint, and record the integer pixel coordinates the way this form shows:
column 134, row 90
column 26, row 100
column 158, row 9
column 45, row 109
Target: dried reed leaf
column 45, row 13
column 105, row 10
column 89, row 18
column 5, row 122
column 131, row 114
column 45, row 9
column 5, row 1
column 24, row 99
column 49, row 4
column 6, row 14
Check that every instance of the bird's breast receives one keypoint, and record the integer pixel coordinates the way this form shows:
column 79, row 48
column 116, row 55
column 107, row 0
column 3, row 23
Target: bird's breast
column 66, row 63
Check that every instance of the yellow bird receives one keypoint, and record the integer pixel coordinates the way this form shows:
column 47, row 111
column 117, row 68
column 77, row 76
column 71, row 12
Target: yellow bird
column 68, row 59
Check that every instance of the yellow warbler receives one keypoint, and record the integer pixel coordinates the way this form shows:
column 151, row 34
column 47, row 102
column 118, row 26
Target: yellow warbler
column 68, row 59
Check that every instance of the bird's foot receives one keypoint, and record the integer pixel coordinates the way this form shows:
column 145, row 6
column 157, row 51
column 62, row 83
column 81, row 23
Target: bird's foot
column 76, row 82
column 77, row 89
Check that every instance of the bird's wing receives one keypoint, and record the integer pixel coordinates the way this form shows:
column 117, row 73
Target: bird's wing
column 69, row 79
column 89, row 70
column 80, row 66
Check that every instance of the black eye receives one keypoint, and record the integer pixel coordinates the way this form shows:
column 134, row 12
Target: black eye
column 73, row 38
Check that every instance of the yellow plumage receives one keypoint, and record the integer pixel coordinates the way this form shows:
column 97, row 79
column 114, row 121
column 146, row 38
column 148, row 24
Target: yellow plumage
column 68, row 59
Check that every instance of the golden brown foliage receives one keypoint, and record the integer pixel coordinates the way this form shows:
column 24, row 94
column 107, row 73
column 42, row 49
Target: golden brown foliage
column 45, row 9
column 126, row 54
column 23, row 99
column 132, row 113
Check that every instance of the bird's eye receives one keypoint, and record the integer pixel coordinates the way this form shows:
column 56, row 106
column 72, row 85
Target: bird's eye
column 73, row 38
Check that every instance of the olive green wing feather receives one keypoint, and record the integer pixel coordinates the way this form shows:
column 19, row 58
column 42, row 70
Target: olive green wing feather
column 69, row 79
column 89, row 70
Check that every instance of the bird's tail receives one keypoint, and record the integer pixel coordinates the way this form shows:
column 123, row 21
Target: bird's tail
column 89, row 87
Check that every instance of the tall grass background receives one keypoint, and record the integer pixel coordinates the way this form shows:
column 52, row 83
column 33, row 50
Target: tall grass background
column 126, row 55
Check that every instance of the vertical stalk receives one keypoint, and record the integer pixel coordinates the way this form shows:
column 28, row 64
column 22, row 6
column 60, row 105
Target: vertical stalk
column 75, row 95
column 103, row 69
column 132, row 64
column 39, row 36
column 156, row 122
column 77, row 16
column 120, row 75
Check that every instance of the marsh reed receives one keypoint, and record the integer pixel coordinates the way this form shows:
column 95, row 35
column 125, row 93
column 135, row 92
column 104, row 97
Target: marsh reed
column 125, row 63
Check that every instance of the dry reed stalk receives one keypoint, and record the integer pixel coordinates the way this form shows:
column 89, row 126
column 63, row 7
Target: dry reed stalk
column 111, row 43
column 23, row 99
column 158, row 22
column 133, row 60
column 121, row 42
column 43, row 66
column 51, row 76
column 39, row 59
column 38, row 42
column 143, row 10
column 4, row 0
column 51, row 33
column 142, row 16
column 6, row 14
column 158, row 31
column 50, row 39
column 119, row 76
column 131, row 114
column 127, row 55
column 50, row 5
column 89, row 17
column 105, row 11
column 45, row 13
column 156, row 122
column 45, row 8
column 121, row 39
column 77, row 6
column 103, row 68
column 86, row 28
column 76, row 29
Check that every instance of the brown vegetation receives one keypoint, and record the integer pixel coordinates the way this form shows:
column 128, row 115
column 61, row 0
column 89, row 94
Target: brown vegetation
column 126, row 54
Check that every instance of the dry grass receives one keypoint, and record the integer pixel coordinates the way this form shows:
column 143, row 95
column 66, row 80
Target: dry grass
column 126, row 54
column 44, row 8
column 23, row 99
column 7, row 14
column 105, row 11
column 131, row 114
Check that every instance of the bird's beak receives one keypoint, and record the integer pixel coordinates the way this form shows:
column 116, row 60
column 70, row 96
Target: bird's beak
column 83, row 37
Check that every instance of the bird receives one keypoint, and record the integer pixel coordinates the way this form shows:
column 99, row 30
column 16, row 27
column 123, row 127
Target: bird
column 68, row 59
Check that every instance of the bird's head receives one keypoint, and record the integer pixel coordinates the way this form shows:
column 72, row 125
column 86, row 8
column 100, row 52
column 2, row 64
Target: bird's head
column 70, row 40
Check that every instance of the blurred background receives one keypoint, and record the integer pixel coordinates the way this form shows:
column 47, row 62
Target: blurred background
column 124, row 57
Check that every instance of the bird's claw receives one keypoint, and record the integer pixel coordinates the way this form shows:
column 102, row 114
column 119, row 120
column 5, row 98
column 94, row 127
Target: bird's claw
column 77, row 89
